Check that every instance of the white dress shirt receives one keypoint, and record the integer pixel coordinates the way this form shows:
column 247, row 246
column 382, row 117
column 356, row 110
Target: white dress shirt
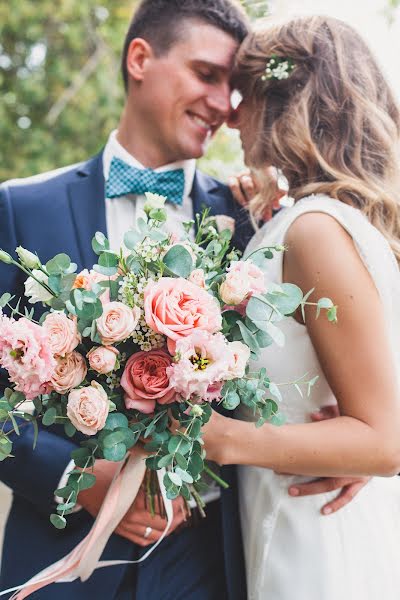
column 121, row 215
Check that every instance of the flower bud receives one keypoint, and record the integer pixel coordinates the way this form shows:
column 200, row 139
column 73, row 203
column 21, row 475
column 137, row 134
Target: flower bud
column 153, row 201
column 28, row 259
column 196, row 411
column 5, row 257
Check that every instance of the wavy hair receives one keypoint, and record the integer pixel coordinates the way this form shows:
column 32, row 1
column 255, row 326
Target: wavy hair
column 332, row 126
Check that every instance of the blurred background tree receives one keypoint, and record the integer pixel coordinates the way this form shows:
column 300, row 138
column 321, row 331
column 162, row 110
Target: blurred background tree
column 60, row 84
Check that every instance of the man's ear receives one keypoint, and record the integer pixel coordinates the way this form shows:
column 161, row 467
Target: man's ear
column 139, row 53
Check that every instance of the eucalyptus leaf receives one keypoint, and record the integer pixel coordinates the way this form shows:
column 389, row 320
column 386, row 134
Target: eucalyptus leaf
column 58, row 521
column 116, row 453
column 179, row 261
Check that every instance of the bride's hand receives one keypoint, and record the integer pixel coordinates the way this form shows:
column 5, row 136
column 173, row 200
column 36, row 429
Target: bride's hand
column 213, row 436
column 245, row 187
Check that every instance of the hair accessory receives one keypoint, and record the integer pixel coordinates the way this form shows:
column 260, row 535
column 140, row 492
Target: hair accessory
column 278, row 67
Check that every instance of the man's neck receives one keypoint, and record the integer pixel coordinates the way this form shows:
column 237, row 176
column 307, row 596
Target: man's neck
column 134, row 140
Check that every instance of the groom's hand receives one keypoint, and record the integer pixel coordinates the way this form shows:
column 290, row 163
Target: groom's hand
column 138, row 520
column 348, row 486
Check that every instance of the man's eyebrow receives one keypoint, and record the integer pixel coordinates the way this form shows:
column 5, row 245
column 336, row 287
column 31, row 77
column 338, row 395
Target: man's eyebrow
column 199, row 62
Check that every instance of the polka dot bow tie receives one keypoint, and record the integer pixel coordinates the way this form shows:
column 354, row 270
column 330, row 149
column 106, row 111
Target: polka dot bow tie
column 124, row 179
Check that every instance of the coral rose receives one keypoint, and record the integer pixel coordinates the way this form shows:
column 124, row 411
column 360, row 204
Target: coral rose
column 103, row 359
column 177, row 308
column 117, row 322
column 62, row 332
column 87, row 408
column 70, row 372
column 145, row 380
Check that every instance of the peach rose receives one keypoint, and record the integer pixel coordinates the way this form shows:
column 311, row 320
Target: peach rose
column 85, row 280
column 197, row 277
column 225, row 222
column 117, row 322
column 87, row 408
column 177, row 307
column 103, row 359
column 62, row 332
column 70, row 372
column 145, row 380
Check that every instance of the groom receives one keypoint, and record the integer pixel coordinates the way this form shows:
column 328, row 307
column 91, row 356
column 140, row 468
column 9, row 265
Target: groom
column 176, row 64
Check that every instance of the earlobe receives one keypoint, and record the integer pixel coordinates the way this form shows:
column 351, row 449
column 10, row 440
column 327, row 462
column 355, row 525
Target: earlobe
column 139, row 53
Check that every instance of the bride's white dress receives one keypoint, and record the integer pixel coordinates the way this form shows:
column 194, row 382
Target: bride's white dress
column 292, row 552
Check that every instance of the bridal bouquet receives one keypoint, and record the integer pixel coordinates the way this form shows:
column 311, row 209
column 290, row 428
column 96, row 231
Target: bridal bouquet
column 135, row 350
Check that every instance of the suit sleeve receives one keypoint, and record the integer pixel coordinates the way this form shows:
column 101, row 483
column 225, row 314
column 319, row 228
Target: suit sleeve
column 31, row 473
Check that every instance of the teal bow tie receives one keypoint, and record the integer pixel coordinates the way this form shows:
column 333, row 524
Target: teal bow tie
column 124, row 179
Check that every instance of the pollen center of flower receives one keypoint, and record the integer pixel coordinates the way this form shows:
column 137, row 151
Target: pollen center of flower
column 199, row 363
column 17, row 354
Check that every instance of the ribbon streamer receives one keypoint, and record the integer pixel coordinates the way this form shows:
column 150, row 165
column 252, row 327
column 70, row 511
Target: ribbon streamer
column 84, row 558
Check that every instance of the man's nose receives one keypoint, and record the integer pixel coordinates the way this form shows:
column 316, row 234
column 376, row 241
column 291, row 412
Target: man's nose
column 220, row 101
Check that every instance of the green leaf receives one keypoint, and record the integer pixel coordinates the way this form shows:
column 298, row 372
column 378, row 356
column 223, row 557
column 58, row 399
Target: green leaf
column 64, row 492
column 115, row 453
column 184, row 475
column 4, row 300
column 49, row 416
column 274, row 390
column 179, row 261
column 15, row 424
column 248, row 338
column 178, row 443
column 58, row 521
column 129, row 438
column 58, row 264
column 116, row 420
column 132, row 239
column 273, row 332
column 332, row 314
column 69, row 429
column 112, row 439
column 65, row 507
column 175, row 478
column 231, row 400
column 109, row 260
column 181, row 461
column 86, row 481
column 257, row 309
column 164, row 461
column 288, row 302
column 100, row 243
column 196, row 465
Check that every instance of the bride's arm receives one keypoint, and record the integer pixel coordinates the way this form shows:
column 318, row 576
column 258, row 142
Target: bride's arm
column 358, row 363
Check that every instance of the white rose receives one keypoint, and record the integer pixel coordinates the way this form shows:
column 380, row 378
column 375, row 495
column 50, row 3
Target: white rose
column 33, row 289
column 154, row 201
column 234, row 289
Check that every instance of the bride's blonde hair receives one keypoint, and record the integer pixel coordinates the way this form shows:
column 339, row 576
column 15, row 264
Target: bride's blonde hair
column 332, row 126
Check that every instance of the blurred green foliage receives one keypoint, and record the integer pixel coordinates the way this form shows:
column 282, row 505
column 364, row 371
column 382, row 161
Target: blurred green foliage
column 60, row 88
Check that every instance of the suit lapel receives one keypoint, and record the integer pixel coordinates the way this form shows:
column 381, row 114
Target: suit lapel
column 87, row 204
column 205, row 195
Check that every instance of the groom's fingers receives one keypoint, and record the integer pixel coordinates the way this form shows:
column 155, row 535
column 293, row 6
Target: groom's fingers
column 346, row 495
column 349, row 486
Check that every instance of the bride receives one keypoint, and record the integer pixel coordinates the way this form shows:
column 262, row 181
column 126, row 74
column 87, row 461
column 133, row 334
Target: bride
column 316, row 106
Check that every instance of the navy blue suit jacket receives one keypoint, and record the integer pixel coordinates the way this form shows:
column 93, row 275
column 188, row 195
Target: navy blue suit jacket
column 60, row 212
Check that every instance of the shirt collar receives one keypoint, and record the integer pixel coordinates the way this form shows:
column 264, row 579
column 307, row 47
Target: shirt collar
column 114, row 149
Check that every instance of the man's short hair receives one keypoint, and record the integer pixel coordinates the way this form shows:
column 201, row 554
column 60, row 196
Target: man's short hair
column 159, row 22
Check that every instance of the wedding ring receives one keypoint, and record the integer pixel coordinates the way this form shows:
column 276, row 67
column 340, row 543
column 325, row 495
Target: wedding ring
column 147, row 532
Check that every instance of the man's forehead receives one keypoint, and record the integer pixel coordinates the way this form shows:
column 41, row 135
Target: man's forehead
column 207, row 44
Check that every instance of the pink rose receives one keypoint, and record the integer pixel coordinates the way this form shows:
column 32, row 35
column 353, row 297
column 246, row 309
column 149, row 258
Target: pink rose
column 197, row 277
column 117, row 322
column 145, row 380
column 177, row 308
column 62, row 332
column 242, row 280
column 240, row 356
column 87, row 408
column 203, row 361
column 70, row 372
column 225, row 222
column 25, row 353
column 103, row 359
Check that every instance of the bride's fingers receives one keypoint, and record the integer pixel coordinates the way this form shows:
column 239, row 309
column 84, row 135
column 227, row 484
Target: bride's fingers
column 243, row 187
